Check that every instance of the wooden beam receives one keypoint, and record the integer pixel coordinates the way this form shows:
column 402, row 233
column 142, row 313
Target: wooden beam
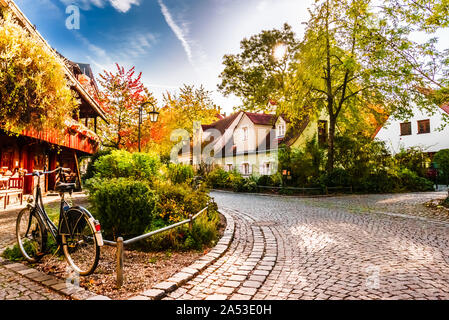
column 77, row 168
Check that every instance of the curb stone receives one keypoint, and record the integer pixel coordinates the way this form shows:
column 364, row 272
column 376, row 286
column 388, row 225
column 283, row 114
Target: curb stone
column 161, row 289
column 51, row 282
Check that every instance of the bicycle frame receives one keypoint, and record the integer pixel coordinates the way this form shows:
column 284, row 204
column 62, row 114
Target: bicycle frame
column 39, row 209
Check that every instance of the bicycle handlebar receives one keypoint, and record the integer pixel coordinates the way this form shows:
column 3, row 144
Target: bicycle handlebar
column 37, row 173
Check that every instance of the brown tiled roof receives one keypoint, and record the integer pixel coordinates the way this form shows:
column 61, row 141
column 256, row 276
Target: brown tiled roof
column 261, row 118
column 221, row 125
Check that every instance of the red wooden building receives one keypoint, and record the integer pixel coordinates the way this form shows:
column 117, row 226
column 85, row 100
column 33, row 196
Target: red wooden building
column 33, row 150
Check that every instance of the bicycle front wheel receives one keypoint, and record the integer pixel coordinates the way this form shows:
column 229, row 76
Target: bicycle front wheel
column 31, row 235
column 79, row 243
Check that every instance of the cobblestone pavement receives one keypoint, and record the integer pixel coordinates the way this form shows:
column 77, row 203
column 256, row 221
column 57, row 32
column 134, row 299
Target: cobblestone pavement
column 13, row 286
column 352, row 247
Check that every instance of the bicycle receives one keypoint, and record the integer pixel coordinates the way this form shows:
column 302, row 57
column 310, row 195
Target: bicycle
column 78, row 233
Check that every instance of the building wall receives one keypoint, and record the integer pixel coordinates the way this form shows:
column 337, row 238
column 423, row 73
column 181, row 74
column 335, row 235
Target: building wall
column 30, row 154
column 311, row 130
column 254, row 160
column 256, row 134
column 431, row 142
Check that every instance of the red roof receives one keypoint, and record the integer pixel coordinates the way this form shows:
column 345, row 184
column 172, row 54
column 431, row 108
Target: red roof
column 261, row 118
column 221, row 125
column 445, row 107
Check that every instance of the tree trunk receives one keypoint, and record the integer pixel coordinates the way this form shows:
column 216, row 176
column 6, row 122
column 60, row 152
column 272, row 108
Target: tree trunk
column 330, row 152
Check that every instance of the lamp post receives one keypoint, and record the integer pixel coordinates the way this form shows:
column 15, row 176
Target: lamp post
column 154, row 115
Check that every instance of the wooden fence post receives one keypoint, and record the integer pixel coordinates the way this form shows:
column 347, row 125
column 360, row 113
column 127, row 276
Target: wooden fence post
column 120, row 258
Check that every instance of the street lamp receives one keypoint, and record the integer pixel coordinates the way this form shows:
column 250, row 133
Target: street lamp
column 154, row 115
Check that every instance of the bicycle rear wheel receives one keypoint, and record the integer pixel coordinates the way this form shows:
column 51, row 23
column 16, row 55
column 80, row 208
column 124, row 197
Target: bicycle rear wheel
column 80, row 244
column 31, row 235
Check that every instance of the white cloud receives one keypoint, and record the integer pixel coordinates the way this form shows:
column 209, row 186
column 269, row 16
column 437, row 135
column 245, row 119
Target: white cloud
column 124, row 5
column 119, row 5
column 180, row 33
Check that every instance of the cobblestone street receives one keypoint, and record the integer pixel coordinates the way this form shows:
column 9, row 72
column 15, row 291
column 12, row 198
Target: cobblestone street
column 348, row 247
column 351, row 247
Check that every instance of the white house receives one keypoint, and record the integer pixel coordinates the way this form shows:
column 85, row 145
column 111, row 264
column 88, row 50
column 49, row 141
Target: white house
column 248, row 142
column 422, row 130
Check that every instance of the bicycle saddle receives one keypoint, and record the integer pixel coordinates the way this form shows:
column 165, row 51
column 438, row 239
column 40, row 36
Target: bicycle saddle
column 65, row 187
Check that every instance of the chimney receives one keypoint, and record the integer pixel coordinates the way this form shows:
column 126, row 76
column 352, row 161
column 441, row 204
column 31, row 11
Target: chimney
column 224, row 114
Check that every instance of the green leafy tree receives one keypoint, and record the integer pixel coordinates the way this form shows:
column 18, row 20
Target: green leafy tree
column 442, row 160
column 34, row 91
column 259, row 73
column 354, row 56
column 357, row 57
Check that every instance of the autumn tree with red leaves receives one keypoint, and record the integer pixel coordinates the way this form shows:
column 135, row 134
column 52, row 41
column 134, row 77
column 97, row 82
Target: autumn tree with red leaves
column 122, row 94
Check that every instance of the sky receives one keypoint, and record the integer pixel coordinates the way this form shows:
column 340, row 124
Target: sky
column 172, row 42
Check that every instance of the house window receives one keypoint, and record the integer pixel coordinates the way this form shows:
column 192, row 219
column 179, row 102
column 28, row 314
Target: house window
column 229, row 167
column 406, row 129
column 322, row 132
column 267, row 168
column 281, row 130
column 245, row 168
column 245, row 133
column 424, row 126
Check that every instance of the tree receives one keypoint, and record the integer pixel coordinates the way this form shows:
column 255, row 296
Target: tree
column 182, row 110
column 123, row 93
column 258, row 74
column 353, row 56
column 442, row 160
column 34, row 91
column 356, row 58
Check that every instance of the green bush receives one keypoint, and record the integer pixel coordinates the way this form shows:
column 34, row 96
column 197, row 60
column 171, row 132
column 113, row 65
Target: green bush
column 274, row 180
column 411, row 181
column 236, row 181
column 177, row 201
column 125, row 207
column 90, row 170
column 414, row 159
column 180, row 173
column 337, row 178
column 218, row 178
column 442, row 160
column 380, row 181
column 123, row 164
column 204, row 233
